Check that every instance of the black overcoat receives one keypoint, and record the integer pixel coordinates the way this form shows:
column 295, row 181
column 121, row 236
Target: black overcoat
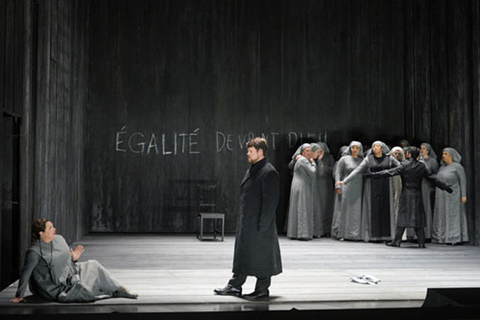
column 411, row 213
column 257, row 251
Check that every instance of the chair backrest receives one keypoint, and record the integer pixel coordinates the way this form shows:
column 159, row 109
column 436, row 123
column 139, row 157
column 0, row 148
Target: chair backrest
column 206, row 198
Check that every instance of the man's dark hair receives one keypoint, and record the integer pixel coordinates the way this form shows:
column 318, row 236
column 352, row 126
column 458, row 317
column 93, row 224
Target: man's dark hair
column 414, row 152
column 258, row 143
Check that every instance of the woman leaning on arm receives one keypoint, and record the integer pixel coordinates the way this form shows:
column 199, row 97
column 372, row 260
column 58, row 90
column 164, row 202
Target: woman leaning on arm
column 52, row 271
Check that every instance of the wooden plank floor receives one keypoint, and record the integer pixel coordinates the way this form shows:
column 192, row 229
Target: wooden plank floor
column 178, row 273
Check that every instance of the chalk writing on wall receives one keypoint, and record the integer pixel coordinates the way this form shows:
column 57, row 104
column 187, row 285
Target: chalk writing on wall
column 186, row 143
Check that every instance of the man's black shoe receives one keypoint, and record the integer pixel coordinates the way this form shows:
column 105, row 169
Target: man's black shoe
column 255, row 296
column 228, row 291
column 393, row 244
column 421, row 245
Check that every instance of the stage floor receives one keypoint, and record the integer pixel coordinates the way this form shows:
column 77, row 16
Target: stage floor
column 177, row 273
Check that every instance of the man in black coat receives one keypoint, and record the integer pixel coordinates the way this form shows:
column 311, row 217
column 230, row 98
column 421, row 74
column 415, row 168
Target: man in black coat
column 257, row 251
column 411, row 212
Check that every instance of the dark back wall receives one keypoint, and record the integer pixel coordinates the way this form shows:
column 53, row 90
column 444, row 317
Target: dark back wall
column 193, row 79
column 11, row 110
column 177, row 87
column 43, row 74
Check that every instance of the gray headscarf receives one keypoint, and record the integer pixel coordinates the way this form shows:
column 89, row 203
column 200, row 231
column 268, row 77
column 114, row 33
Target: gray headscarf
column 348, row 151
column 324, row 147
column 431, row 152
column 401, row 152
column 300, row 149
column 385, row 149
column 315, row 147
column 455, row 155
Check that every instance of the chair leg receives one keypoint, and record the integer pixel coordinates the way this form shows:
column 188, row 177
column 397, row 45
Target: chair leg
column 223, row 227
column 198, row 227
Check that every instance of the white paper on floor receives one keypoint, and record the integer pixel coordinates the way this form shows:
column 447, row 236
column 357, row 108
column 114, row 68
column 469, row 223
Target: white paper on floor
column 365, row 279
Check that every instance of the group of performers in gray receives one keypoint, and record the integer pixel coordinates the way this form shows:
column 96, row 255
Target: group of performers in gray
column 373, row 196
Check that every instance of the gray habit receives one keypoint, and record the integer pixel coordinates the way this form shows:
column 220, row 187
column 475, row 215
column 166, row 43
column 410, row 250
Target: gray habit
column 428, row 193
column 372, row 210
column 325, row 195
column 51, row 274
column 449, row 218
column 317, row 207
column 300, row 211
column 347, row 216
column 257, row 251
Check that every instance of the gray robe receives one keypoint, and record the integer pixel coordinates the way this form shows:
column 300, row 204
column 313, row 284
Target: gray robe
column 257, row 251
column 300, row 211
column 318, row 230
column 368, row 214
column 397, row 184
column 347, row 215
column 449, row 218
column 324, row 195
column 428, row 193
column 51, row 274
column 397, row 192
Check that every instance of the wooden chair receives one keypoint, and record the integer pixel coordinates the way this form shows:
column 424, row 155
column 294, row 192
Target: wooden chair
column 206, row 211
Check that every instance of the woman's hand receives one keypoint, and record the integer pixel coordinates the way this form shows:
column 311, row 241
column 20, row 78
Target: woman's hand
column 17, row 300
column 77, row 253
column 464, row 199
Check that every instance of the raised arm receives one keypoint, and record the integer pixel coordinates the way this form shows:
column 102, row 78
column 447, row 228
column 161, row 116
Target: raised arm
column 360, row 169
column 386, row 173
column 310, row 167
column 427, row 174
column 394, row 162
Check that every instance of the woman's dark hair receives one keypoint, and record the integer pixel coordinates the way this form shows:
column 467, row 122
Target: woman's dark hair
column 37, row 226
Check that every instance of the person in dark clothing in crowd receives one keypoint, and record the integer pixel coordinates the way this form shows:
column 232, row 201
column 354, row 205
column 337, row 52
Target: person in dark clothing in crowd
column 411, row 212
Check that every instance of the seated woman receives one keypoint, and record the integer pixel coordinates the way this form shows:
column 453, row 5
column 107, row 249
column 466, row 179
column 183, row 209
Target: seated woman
column 53, row 272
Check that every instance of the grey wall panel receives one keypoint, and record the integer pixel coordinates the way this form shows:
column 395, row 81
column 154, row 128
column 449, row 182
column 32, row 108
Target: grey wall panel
column 188, row 82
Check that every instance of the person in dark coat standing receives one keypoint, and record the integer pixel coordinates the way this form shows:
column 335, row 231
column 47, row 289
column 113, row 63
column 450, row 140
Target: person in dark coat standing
column 257, row 251
column 411, row 212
